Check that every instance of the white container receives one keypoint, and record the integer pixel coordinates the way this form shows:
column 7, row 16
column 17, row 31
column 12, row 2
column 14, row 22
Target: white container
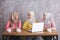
column 9, row 30
column 49, row 30
column 18, row 30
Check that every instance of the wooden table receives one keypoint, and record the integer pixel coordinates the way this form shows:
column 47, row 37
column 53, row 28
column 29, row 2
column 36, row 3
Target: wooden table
column 26, row 33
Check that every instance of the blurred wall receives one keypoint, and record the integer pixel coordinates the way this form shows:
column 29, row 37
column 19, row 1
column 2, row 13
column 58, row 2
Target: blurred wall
column 23, row 6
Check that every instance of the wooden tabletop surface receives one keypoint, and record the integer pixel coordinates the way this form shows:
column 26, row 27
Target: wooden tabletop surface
column 26, row 33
